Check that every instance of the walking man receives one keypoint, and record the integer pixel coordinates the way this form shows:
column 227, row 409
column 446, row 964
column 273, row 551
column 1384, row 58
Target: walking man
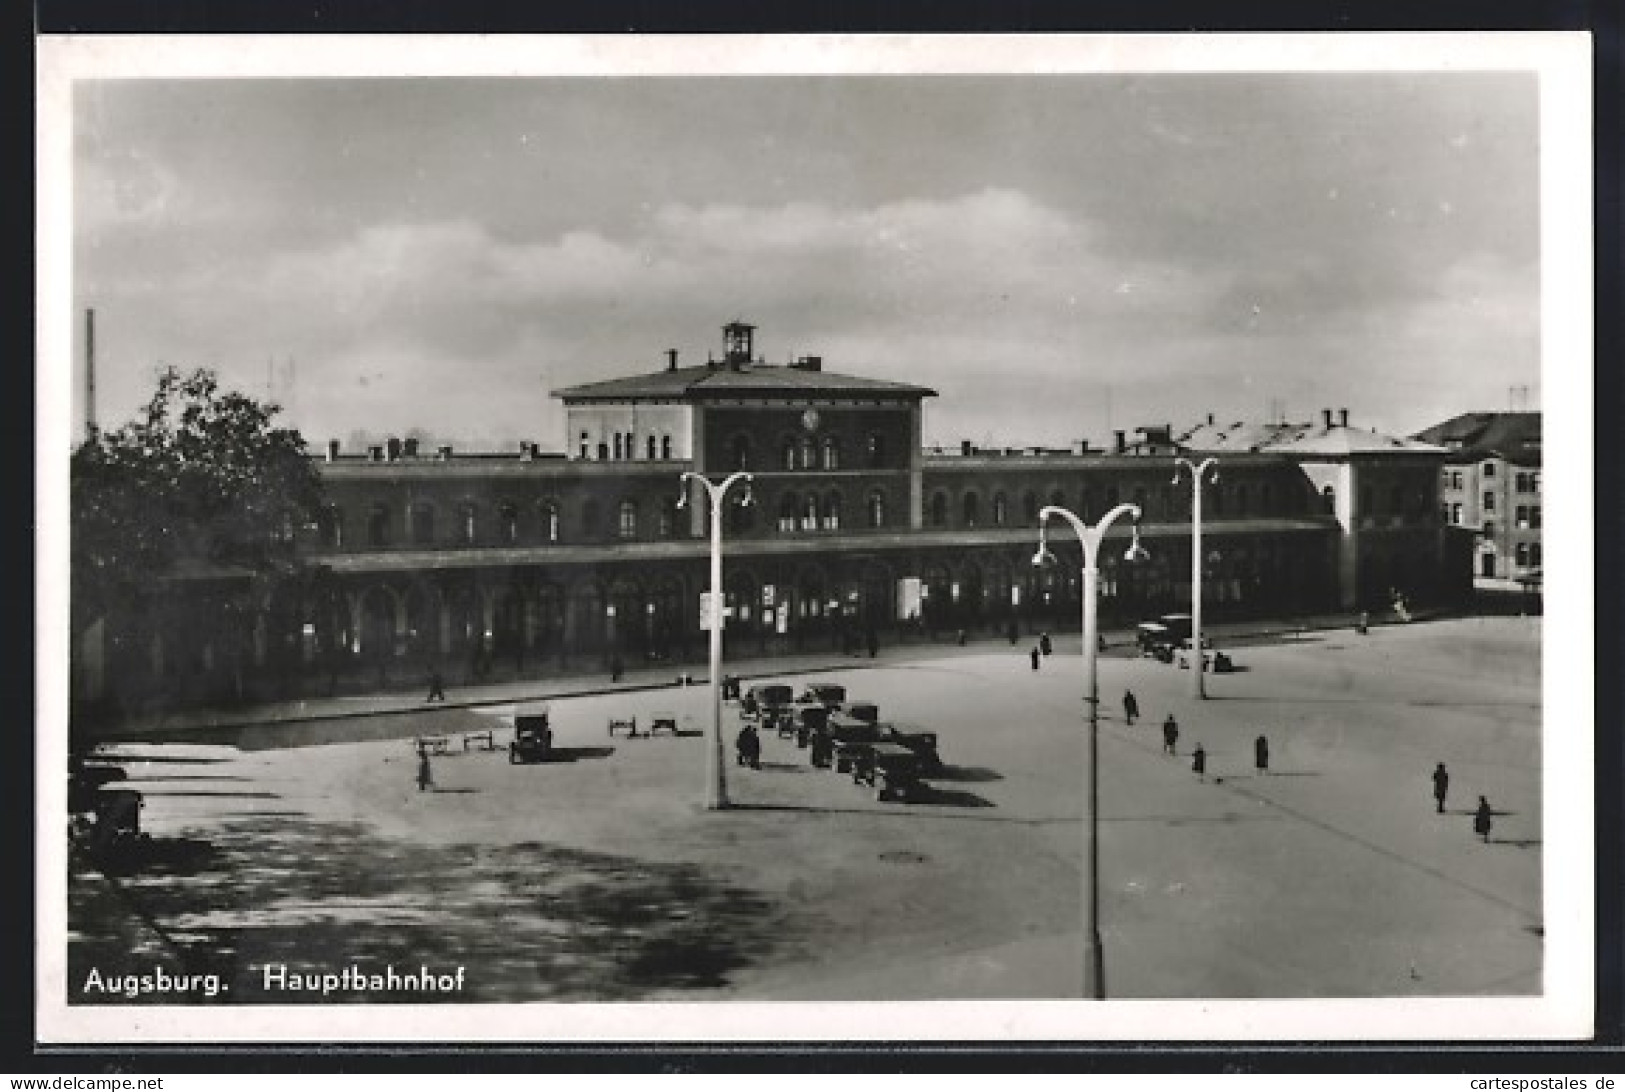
column 437, row 687
column 1199, row 763
column 1131, row 706
column 1261, row 754
column 1441, row 785
column 1170, row 735
column 425, row 774
column 1035, row 656
column 1044, row 644
column 1481, row 819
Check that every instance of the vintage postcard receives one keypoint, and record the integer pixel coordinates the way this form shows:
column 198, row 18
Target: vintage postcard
column 796, row 538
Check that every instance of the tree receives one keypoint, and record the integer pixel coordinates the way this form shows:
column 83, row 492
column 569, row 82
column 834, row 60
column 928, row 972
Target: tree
column 202, row 475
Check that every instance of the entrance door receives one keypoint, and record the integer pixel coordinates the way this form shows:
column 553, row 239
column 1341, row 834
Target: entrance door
column 1487, row 565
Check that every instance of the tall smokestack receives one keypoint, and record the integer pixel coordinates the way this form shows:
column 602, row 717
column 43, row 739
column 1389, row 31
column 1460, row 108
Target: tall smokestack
column 90, row 372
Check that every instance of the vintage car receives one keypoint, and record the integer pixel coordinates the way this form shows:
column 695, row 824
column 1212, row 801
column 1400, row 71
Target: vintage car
column 532, row 738
column 859, row 737
column 771, row 697
column 891, row 769
column 829, row 695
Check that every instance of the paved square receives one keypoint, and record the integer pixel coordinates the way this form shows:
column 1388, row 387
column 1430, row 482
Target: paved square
column 601, row 878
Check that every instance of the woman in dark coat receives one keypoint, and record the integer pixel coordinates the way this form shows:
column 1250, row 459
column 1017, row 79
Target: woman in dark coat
column 749, row 745
column 1481, row 819
column 1199, row 762
column 1261, row 754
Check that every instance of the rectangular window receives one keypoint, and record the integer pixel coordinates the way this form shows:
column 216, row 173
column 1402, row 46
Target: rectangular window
column 1534, row 517
column 1489, row 500
column 1455, row 514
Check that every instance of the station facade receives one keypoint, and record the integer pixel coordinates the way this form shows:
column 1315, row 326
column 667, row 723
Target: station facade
column 531, row 563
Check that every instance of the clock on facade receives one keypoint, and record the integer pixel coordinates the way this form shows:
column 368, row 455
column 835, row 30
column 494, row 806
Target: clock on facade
column 809, row 420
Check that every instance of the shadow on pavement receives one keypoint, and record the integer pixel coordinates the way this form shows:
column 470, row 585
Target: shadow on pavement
column 967, row 774
column 530, row 922
column 948, row 798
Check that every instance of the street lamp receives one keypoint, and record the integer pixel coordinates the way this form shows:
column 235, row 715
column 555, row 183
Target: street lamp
column 1094, row 980
column 716, row 789
column 1198, row 673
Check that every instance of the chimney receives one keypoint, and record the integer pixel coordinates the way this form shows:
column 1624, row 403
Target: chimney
column 1343, row 417
column 375, row 453
column 811, row 363
column 444, row 453
column 90, row 372
column 965, row 448
column 1210, row 418
column 1122, row 440
column 332, row 451
column 671, row 360
column 409, row 447
column 394, row 448
column 1326, row 415
column 527, row 450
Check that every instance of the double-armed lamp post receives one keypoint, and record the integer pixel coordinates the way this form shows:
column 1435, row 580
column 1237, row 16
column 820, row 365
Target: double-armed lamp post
column 1094, row 974
column 1198, row 473
column 716, row 788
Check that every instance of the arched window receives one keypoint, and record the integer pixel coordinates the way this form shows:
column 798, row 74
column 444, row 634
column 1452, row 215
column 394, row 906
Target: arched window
column 787, row 511
column 617, row 445
column 1001, row 510
column 378, row 526
column 832, row 510
column 877, row 509
column 652, row 447
column 1029, row 506
column 668, row 518
column 832, row 454
column 626, row 523
column 589, row 518
column 809, row 454
column 586, row 444
column 939, row 509
column 971, row 509
column 739, row 448
column 330, row 527
column 875, row 448
column 508, row 521
column 809, row 513
column 1086, row 503
column 788, row 455
column 550, row 521
column 468, row 523
column 665, row 446
column 422, row 517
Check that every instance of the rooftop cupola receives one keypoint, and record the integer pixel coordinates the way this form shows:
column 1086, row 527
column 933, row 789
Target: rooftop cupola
column 737, row 338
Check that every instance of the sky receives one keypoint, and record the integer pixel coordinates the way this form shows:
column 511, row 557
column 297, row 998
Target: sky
column 1056, row 255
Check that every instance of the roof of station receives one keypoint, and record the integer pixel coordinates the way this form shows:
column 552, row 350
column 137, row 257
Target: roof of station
column 706, row 381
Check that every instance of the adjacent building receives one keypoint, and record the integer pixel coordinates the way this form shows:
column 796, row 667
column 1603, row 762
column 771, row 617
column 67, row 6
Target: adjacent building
column 1489, row 485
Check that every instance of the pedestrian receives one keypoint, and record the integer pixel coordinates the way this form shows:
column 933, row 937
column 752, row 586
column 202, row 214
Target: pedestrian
column 1131, row 706
column 1035, row 655
column 1364, row 625
column 1199, row 763
column 1261, row 754
column 961, row 638
column 1441, row 785
column 425, row 774
column 616, row 669
column 822, row 747
column 437, row 687
column 1044, row 645
column 749, row 746
column 1170, row 735
column 1481, row 819
column 1012, row 632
